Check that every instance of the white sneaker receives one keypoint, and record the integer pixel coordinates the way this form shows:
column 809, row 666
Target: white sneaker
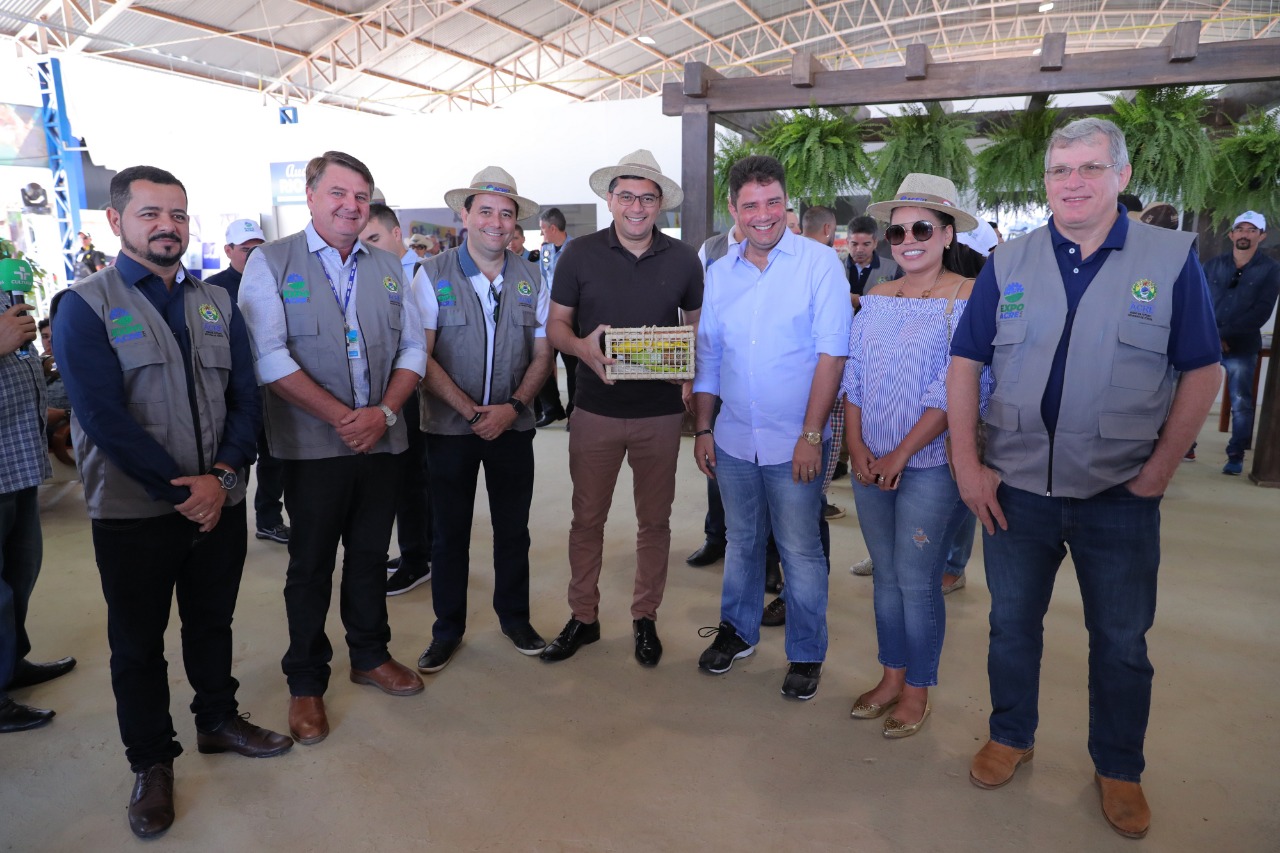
column 862, row 568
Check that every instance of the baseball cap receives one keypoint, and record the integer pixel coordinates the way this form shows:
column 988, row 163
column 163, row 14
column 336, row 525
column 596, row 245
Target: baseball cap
column 242, row 231
column 1257, row 220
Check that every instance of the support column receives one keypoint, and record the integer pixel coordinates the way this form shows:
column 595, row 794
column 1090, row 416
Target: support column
column 698, row 143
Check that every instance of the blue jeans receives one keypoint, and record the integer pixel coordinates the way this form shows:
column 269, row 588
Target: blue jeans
column 21, row 549
column 909, row 532
column 1240, row 367
column 961, row 546
column 755, row 498
column 1114, row 539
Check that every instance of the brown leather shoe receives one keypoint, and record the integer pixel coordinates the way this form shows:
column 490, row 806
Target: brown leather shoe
column 151, row 803
column 995, row 764
column 1124, row 806
column 392, row 677
column 238, row 735
column 307, row 721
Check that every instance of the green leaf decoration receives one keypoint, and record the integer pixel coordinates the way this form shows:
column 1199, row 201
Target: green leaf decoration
column 1246, row 169
column 1170, row 151
column 821, row 151
column 730, row 148
column 924, row 139
column 1010, row 171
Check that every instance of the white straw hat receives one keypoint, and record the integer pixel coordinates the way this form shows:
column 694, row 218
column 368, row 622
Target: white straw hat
column 928, row 191
column 639, row 164
column 492, row 179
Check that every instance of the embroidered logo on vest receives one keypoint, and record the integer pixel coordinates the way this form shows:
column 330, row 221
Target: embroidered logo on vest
column 1012, row 304
column 296, row 290
column 1144, row 293
column 444, row 294
column 393, row 289
column 123, row 327
column 524, row 293
column 211, row 318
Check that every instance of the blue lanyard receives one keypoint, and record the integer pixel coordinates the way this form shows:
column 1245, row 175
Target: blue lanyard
column 351, row 282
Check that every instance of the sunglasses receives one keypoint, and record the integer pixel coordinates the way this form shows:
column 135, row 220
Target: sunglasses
column 921, row 230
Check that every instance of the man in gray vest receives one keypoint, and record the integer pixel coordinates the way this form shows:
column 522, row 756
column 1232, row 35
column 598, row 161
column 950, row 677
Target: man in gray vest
column 554, row 239
column 338, row 348
column 1100, row 335
column 165, row 414
column 485, row 312
column 863, row 265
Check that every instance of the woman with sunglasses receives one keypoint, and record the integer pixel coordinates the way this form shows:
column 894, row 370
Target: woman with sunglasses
column 894, row 382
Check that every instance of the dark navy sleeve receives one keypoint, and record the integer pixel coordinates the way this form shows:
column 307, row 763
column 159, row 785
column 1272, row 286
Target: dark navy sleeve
column 95, row 384
column 975, row 334
column 1193, row 333
column 244, row 407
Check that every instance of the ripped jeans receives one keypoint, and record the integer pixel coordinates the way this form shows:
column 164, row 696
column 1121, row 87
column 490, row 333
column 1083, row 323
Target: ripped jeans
column 909, row 533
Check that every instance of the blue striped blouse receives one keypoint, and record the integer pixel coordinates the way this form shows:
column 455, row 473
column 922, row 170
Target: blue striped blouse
column 897, row 368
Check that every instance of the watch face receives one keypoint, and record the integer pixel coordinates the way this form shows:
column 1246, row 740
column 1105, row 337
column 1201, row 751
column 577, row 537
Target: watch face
column 229, row 479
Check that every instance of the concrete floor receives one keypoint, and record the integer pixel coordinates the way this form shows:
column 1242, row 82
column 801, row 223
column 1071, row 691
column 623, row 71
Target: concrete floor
column 504, row 752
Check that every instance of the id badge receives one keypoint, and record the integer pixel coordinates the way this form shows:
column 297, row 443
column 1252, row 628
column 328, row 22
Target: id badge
column 353, row 344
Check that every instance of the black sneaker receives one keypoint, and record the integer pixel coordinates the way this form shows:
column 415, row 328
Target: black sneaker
column 802, row 680
column 276, row 533
column 775, row 613
column 527, row 641
column 438, row 655
column 724, row 649
column 405, row 579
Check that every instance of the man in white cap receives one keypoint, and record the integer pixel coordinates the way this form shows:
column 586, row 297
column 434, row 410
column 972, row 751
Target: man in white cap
column 243, row 236
column 485, row 312
column 627, row 274
column 1243, row 284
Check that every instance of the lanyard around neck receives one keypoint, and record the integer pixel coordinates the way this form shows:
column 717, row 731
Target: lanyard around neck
column 344, row 300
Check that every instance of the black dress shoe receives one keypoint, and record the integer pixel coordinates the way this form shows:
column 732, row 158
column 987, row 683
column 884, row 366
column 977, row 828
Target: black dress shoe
column 238, row 735
column 549, row 417
column 26, row 673
column 151, row 805
column 438, row 655
column 710, row 552
column 574, row 635
column 16, row 717
column 772, row 575
column 648, row 646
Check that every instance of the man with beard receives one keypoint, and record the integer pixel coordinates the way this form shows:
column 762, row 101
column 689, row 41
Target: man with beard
column 165, row 413
column 1243, row 284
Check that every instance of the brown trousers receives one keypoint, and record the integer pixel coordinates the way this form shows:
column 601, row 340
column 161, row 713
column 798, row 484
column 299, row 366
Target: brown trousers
column 597, row 445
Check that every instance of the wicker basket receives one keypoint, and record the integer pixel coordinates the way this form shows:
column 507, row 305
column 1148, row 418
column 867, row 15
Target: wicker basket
column 650, row 352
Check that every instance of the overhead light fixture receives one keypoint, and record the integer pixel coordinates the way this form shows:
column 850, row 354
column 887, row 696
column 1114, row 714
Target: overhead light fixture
column 646, row 40
column 1044, row 7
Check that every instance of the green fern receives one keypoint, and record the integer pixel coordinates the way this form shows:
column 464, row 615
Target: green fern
column 1246, row 169
column 821, row 151
column 1170, row 151
column 1010, row 171
column 923, row 139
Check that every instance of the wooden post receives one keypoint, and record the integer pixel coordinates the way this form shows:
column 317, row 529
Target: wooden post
column 1266, row 448
column 697, row 144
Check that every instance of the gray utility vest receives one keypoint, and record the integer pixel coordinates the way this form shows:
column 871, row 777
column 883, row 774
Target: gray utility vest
column 462, row 337
column 1118, row 384
column 316, row 340
column 715, row 248
column 155, row 387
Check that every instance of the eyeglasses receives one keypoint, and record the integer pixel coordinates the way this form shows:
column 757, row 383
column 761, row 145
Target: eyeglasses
column 1089, row 171
column 921, row 231
column 646, row 200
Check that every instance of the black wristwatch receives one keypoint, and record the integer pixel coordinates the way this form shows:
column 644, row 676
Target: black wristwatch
column 517, row 405
column 227, row 479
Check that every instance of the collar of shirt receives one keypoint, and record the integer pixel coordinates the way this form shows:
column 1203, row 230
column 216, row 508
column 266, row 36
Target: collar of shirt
column 470, row 270
column 659, row 244
column 788, row 245
column 1114, row 239
column 316, row 243
column 133, row 272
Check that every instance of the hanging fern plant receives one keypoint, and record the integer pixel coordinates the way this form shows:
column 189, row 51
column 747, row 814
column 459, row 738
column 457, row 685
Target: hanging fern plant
column 1168, row 146
column 1010, row 171
column 730, row 148
column 821, row 151
column 923, row 139
column 1246, row 169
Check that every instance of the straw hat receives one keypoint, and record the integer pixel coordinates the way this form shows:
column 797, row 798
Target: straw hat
column 492, row 179
column 929, row 191
column 640, row 164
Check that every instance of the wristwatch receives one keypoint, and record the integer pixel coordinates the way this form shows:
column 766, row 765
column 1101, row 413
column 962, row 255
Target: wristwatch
column 813, row 438
column 227, row 479
column 517, row 405
column 391, row 416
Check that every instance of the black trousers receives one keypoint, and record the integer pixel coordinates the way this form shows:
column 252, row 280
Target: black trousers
column 508, row 475
column 141, row 562
column 413, row 508
column 348, row 500
column 268, row 499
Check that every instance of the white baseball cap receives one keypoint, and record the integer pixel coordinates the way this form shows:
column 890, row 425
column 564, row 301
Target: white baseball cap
column 1257, row 220
column 242, row 231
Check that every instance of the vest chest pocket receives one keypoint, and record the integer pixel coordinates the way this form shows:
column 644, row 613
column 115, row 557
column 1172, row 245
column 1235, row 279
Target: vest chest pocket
column 451, row 317
column 527, row 315
column 300, row 320
column 395, row 315
column 1006, row 361
column 1141, row 360
column 214, row 356
column 134, row 356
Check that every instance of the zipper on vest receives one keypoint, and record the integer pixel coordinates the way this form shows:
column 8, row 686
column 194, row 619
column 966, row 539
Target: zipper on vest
column 191, row 394
column 1048, row 485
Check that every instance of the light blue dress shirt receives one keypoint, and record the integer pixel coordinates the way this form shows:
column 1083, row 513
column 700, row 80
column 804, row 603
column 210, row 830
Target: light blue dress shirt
column 759, row 338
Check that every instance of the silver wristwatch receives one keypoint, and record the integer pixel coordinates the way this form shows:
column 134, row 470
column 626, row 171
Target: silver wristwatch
column 391, row 416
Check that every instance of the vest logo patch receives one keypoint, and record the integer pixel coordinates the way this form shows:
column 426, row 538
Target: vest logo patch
column 296, row 290
column 1012, row 303
column 1144, row 290
column 211, row 318
column 393, row 289
column 444, row 295
column 524, row 293
column 123, row 327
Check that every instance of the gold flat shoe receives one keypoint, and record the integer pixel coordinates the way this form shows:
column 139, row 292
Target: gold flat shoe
column 895, row 728
column 868, row 711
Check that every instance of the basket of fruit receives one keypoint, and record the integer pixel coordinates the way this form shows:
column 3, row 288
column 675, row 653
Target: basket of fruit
column 650, row 352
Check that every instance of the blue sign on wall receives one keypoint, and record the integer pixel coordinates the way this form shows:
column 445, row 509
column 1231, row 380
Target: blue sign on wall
column 289, row 182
